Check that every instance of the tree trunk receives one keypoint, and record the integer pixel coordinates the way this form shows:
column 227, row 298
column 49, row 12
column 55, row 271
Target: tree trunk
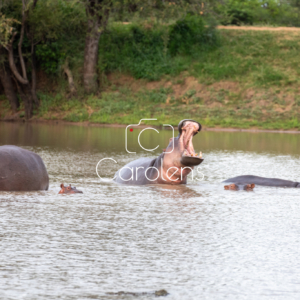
column 70, row 77
column 33, row 77
column 26, row 96
column 97, row 12
column 90, row 61
column 5, row 77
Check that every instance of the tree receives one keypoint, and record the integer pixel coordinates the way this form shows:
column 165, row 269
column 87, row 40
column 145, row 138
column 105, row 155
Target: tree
column 26, row 90
column 5, row 74
column 97, row 17
column 63, row 36
column 27, row 24
column 98, row 12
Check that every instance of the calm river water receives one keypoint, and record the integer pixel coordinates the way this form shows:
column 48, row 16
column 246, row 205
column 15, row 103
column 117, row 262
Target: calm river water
column 195, row 241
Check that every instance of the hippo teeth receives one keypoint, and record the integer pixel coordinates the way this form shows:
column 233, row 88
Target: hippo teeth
column 187, row 153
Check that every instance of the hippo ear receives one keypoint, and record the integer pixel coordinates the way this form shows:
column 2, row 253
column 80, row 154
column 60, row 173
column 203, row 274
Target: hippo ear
column 226, row 187
column 62, row 189
column 252, row 185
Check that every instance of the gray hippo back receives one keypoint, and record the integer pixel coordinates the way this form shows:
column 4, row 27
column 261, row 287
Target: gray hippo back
column 264, row 181
column 21, row 170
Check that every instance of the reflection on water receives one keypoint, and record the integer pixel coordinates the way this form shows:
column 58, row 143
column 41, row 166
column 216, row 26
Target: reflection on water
column 98, row 139
column 195, row 241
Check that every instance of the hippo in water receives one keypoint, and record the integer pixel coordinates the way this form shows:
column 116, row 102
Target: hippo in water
column 21, row 170
column 264, row 181
column 69, row 190
column 237, row 187
column 170, row 167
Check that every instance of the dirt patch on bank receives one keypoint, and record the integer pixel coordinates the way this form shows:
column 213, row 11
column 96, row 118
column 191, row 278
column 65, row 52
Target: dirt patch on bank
column 261, row 28
column 181, row 85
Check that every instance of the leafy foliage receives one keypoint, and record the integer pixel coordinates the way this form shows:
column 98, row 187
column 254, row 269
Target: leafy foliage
column 50, row 56
column 144, row 52
column 238, row 12
column 6, row 29
column 188, row 32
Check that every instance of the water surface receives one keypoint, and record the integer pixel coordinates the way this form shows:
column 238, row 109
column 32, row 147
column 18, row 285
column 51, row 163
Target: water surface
column 195, row 241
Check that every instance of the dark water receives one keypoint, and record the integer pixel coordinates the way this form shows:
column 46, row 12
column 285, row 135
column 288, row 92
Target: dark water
column 196, row 241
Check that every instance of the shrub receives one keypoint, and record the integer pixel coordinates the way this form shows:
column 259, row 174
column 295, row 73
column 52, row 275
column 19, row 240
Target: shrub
column 186, row 33
column 50, row 56
column 152, row 52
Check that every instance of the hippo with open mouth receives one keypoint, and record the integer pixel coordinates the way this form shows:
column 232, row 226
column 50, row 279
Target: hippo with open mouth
column 170, row 167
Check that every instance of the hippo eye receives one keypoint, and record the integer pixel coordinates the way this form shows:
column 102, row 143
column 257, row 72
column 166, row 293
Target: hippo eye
column 69, row 187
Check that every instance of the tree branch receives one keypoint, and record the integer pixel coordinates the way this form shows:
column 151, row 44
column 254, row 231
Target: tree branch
column 24, row 17
column 33, row 76
column 34, row 4
column 12, row 61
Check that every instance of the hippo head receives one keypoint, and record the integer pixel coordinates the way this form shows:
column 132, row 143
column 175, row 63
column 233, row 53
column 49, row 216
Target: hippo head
column 69, row 190
column 182, row 156
column 235, row 187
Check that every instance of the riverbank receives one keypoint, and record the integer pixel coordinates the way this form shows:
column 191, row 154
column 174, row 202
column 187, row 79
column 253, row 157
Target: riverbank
column 250, row 82
column 88, row 124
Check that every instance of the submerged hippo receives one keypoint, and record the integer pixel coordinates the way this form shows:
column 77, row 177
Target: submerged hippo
column 158, row 293
column 170, row 167
column 276, row 182
column 237, row 187
column 68, row 190
column 21, row 170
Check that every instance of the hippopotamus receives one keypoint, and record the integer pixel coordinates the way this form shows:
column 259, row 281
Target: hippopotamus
column 170, row 167
column 237, row 187
column 69, row 190
column 276, row 182
column 158, row 293
column 21, row 170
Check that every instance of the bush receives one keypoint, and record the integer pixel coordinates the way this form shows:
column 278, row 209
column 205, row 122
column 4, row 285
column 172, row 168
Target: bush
column 238, row 12
column 152, row 52
column 186, row 33
column 50, row 56
column 240, row 16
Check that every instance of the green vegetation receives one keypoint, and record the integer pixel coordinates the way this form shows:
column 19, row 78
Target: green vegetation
column 251, row 80
column 181, row 68
column 271, row 12
column 154, row 50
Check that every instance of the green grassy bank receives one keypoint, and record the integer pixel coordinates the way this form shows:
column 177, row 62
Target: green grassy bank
column 250, row 79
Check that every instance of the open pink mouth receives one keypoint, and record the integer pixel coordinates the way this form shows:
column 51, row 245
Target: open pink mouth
column 188, row 131
column 189, row 156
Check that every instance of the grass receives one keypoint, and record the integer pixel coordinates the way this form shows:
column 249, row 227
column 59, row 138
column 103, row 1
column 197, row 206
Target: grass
column 250, row 80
